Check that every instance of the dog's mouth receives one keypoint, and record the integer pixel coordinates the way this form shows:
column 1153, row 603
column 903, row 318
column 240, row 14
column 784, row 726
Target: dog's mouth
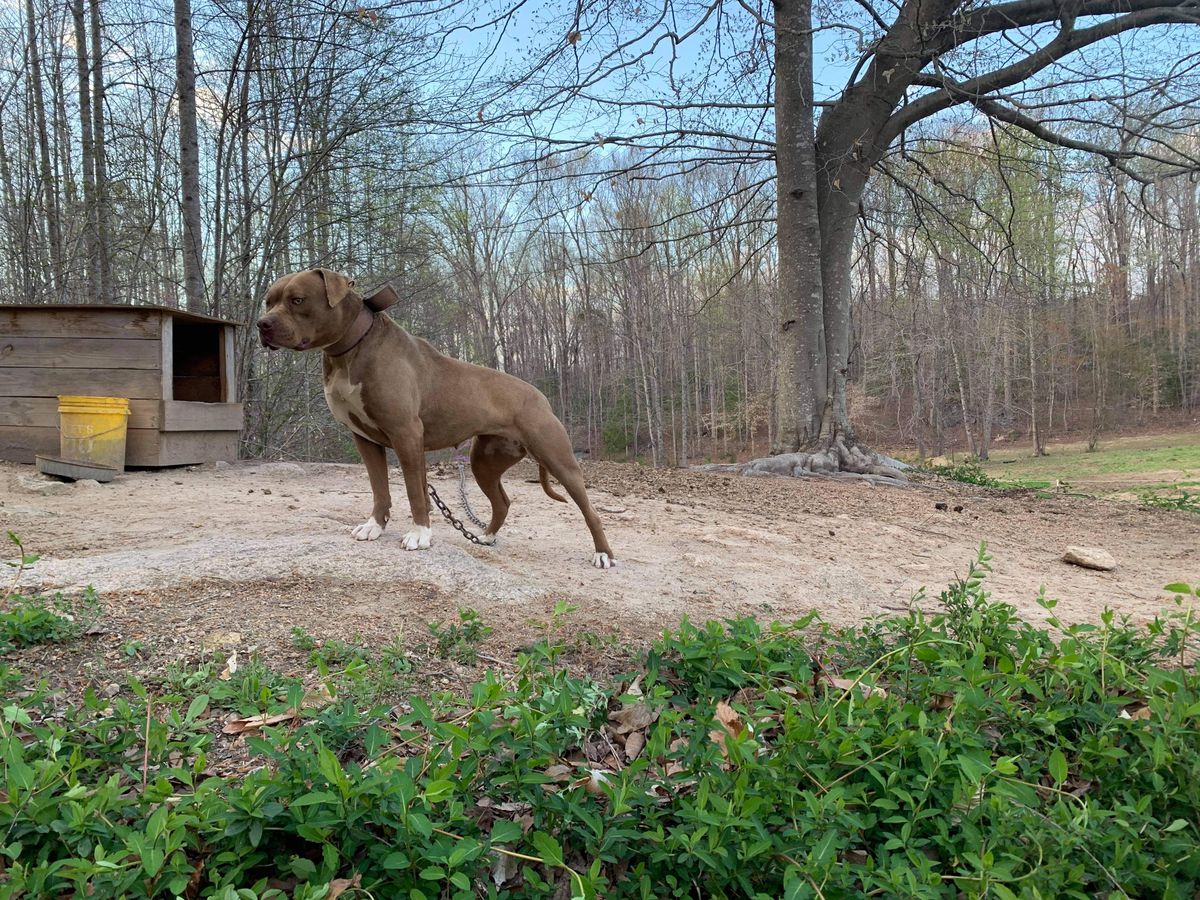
column 272, row 346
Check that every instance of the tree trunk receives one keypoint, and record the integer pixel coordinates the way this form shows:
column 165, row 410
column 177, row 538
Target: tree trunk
column 802, row 381
column 838, row 199
column 88, row 162
column 189, row 157
column 49, row 189
column 103, row 259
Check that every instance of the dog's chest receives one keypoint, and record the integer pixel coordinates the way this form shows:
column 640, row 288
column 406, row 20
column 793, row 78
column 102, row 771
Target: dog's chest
column 346, row 402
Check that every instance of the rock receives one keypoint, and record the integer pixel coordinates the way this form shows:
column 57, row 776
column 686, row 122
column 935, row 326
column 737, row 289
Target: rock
column 219, row 639
column 44, row 486
column 86, row 484
column 1090, row 558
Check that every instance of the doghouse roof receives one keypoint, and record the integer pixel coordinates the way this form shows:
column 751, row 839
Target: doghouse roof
column 123, row 307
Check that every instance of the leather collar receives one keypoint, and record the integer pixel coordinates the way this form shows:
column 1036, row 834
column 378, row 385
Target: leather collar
column 358, row 330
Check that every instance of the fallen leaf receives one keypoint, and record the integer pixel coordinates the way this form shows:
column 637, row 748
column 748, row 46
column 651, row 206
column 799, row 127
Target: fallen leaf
column 339, row 886
column 231, row 667
column 729, row 717
column 634, row 744
column 559, row 773
column 255, row 723
column 731, row 724
column 632, row 718
column 1136, row 710
column 504, row 868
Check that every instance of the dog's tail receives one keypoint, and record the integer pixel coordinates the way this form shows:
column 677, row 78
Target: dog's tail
column 550, row 491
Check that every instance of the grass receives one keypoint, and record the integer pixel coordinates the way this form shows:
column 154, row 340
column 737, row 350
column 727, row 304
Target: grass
column 957, row 753
column 1159, row 461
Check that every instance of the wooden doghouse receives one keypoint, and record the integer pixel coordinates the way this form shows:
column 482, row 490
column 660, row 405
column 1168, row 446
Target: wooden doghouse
column 175, row 367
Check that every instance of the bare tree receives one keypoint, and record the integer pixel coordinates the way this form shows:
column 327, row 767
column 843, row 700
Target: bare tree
column 189, row 157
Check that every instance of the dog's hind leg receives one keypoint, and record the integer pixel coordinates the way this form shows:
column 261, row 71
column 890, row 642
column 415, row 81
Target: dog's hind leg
column 551, row 447
column 491, row 457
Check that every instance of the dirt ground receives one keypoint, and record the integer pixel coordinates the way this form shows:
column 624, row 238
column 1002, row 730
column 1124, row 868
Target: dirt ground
column 261, row 547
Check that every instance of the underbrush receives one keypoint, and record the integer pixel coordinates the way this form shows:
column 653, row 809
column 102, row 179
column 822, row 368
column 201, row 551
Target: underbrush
column 955, row 752
column 1177, row 500
column 28, row 619
column 969, row 471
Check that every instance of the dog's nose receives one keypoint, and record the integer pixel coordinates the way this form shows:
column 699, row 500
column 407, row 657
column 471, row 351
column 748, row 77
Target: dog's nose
column 263, row 324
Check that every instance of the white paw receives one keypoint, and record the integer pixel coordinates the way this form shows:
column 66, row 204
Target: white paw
column 367, row 531
column 418, row 538
column 488, row 538
column 603, row 561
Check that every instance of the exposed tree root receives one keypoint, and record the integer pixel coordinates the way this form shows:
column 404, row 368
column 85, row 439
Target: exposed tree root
column 833, row 458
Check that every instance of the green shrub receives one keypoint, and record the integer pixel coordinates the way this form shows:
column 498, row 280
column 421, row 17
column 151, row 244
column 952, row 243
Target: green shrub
column 1180, row 501
column 959, row 752
column 458, row 640
column 969, row 471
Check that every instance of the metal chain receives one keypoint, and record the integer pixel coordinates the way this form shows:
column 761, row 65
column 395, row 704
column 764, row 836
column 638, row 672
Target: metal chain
column 462, row 494
column 473, row 538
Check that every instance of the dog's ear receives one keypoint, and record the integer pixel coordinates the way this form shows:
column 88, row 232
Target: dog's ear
column 337, row 285
column 383, row 298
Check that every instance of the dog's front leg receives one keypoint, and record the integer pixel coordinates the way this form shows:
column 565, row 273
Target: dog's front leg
column 374, row 457
column 411, row 450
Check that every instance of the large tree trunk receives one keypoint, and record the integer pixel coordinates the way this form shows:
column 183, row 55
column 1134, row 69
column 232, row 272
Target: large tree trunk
column 189, row 157
column 802, row 382
column 837, row 204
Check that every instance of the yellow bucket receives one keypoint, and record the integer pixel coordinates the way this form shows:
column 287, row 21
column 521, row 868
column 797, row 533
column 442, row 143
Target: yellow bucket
column 93, row 429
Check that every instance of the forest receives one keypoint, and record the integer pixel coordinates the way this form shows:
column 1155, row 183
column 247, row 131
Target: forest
column 600, row 217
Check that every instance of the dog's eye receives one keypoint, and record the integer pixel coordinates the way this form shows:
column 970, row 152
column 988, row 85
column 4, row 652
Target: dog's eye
column 296, row 301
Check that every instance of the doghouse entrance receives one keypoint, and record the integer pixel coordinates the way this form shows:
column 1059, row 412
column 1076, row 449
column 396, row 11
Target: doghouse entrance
column 196, row 370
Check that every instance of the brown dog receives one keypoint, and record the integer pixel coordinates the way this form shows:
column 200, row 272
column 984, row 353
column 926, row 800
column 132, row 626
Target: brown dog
column 394, row 390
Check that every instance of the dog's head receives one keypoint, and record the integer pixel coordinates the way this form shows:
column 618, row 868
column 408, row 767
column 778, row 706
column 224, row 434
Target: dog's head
column 312, row 309
column 308, row 310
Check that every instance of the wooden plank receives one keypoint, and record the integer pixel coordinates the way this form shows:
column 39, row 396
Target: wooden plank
column 22, row 444
column 167, row 364
column 139, row 384
column 178, row 415
column 78, row 353
column 61, row 321
column 42, row 412
column 143, row 447
column 184, row 448
column 228, row 369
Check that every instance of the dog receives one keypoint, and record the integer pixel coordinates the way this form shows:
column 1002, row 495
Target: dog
column 392, row 389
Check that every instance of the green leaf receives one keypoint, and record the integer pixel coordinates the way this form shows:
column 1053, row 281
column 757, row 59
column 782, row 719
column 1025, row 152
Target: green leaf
column 505, row 831
column 547, row 848
column 436, row 790
column 196, row 708
column 1177, row 825
column 432, row 873
column 314, row 797
column 395, row 860
column 1058, row 766
column 1179, row 587
column 461, row 881
column 972, row 768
